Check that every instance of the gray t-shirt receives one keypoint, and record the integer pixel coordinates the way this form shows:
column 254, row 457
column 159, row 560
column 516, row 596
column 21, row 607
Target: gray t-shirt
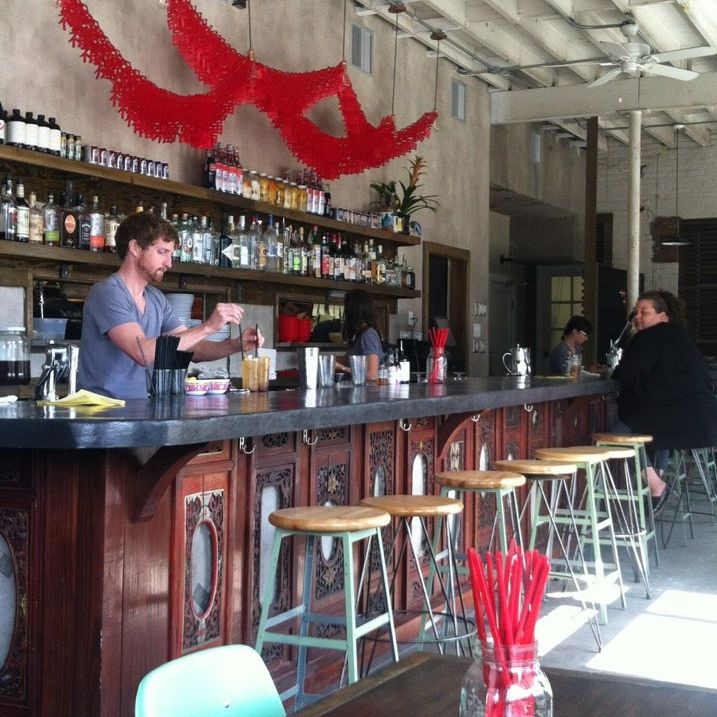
column 367, row 342
column 103, row 367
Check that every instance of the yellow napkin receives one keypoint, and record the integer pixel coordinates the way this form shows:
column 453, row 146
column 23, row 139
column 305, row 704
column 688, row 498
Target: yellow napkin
column 85, row 398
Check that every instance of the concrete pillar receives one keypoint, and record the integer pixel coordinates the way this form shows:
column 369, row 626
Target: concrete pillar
column 633, row 210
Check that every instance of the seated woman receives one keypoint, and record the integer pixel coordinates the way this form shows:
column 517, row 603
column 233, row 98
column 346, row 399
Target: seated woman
column 360, row 332
column 664, row 386
column 575, row 335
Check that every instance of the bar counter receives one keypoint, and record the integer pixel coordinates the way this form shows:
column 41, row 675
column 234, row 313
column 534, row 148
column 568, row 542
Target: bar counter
column 181, row 420
column 131, row 536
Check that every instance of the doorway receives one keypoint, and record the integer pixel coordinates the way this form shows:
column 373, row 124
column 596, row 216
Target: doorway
column 445, row 298
column 502, row 331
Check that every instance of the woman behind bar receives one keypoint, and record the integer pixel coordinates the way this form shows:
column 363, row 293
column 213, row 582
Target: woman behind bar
column 575, row 335
column 360, row 332
column 664, row 386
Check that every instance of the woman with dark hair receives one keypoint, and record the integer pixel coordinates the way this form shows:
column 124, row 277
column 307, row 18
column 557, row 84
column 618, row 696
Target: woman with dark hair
column 664, row 385
column 575, row 335
column 360, row 332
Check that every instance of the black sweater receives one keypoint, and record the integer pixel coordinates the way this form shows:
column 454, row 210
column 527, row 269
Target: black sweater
column 665, row 389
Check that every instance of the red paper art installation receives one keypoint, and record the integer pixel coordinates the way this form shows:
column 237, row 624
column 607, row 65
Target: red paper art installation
column 234, row 79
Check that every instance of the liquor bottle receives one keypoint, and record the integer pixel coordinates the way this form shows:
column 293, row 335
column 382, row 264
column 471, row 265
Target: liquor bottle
column 210, row 241
column 271, row 241
column 43, row 134
column 163, row 211
column 210, row 169
column 315, row 253
column 328, row 207
column 8, row 212
column 280, row 246
column 112, row 221
column 35, row 235
column 244, row 241
column 225, row 240
column 70, row 146
column 69, row 228
column 51, row 221
column 55, row 137
column 338, row 268
column 177, row 253
column 303, row 254
column 97, row 226
column 404, row 365
column 199, row 226
column 22, row 230
column 15, row 130
column 186, row 237
column 84, row 223
column 326, row 267
column 3, row 124
column 261, row 248
column 30, row 131
column 380, row 277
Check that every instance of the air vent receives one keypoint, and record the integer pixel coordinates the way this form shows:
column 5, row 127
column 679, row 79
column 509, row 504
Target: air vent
column 458, row 100
column 362, row 48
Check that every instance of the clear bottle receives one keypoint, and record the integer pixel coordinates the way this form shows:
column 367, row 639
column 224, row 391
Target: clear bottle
column 35, row 236
column 185, row 238
column 97, row 226
column 507, row 683
column 243, row 239
column 112, row 222
column 3, row 124
column 22, row 208
column 199, row 226
column 211, row 243
column 51, row 221
column 8, row 212
column 271, row 241
column 260, row 245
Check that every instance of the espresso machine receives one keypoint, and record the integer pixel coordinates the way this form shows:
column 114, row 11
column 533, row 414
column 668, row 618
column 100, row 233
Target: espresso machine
column 61, row 363
column 614, row 355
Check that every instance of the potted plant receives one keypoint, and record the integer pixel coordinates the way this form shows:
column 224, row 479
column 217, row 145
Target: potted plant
column 404, row 199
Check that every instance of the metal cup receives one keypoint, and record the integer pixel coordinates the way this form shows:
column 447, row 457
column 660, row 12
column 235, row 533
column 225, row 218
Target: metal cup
column 309, row 366
column 358, row 370
column 326, row 370
column 179, row 376
column 161, row 382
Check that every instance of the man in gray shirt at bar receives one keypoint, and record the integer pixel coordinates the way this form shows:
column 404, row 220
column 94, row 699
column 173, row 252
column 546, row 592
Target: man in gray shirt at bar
column 124, row 314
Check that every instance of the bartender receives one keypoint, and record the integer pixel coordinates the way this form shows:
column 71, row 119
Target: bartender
column 125, row 313
column 360, row 332
column 575, row 336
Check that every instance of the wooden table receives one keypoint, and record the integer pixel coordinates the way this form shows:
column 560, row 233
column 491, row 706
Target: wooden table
column 428, row 685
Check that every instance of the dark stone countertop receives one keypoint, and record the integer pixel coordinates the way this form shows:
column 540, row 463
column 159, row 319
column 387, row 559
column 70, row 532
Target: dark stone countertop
column 182, row 420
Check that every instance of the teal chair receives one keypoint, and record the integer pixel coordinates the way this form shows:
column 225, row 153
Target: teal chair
column 226, row 681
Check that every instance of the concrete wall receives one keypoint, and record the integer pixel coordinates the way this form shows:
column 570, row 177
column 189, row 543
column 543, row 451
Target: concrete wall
column 43, row 73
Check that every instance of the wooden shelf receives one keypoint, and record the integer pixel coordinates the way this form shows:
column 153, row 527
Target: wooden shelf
column 40, row 253
column 179, row 189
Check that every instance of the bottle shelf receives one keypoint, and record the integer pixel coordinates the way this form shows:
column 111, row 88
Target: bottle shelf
column 179, row 189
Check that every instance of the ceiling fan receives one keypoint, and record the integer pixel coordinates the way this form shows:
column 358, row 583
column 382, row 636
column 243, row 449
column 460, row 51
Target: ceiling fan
column 631, row 58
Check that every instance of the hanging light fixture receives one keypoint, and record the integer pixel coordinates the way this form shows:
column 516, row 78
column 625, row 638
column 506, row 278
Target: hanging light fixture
column 676, row 239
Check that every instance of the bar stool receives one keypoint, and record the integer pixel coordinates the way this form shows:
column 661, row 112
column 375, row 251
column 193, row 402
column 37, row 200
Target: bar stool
column 591, row 460
column 501, row 484
column 406, row 508
column 636, row 491
column 558, row 475
column 349, row 524
column 630, row 534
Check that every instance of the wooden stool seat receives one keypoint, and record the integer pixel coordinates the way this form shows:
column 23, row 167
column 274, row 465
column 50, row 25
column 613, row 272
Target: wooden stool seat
column 480, row 480
column 627, row 438
column 591, row 455
column 620, row 453
column 534, row 468
column 414, row 506
column 329, row 519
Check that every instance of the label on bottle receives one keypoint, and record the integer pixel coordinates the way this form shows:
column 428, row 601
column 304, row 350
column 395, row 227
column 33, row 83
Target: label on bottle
column 97, row 231
column 31, row 134
column 35, row 227
column 84, row 232
column 16, row 132
column 2, row 130
column 22, row 230
column 55, row 140
column 70, row 229
column 110, row 230
column 43, row 138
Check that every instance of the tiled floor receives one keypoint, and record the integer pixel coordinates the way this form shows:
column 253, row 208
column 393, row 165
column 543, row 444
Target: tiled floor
column 671, row 636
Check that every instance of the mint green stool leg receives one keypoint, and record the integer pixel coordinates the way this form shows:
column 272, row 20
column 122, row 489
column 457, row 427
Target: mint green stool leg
column 349, row 608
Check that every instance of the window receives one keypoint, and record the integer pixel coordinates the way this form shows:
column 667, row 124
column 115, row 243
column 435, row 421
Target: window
column 566, row 300
column 362, row 48
column 458, row 100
